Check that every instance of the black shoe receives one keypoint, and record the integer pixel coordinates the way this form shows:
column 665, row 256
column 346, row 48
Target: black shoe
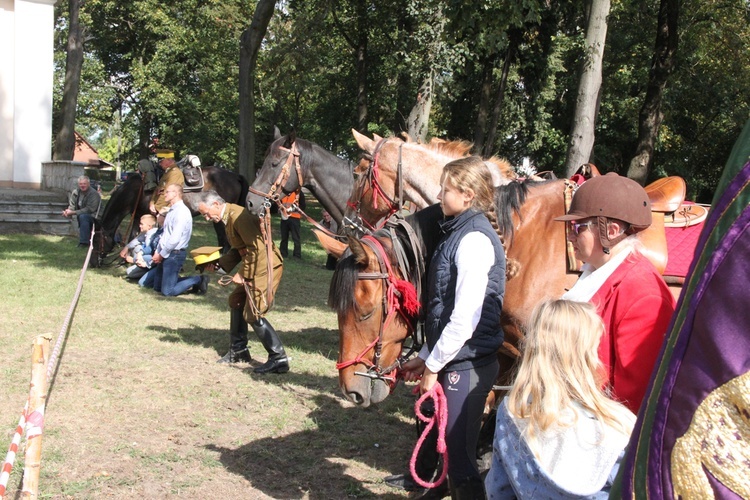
column 279, row 365
column 403, row 482
column 242, row 356
column 203, row 285
column 83, row 245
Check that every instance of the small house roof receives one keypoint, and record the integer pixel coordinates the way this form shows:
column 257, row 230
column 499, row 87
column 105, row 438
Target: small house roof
column 85, row 153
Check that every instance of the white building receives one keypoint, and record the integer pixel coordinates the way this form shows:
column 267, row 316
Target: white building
column 26, row 79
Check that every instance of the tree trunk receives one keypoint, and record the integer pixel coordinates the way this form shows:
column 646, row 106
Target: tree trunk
column 65, row 142
column 361, row 49
column 419, row 118
column 651, row 115
column 250, row 41
column 582, row 135
column 489, row 145
column 483, row 111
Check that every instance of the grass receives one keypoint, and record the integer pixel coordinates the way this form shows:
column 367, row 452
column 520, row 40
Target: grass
column 139, row 407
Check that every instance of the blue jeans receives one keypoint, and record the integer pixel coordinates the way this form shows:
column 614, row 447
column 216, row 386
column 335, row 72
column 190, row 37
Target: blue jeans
column 167, row 277
column 85, row 223
column 147, row 280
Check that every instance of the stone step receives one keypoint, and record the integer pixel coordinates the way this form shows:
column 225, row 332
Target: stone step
column 30, row 225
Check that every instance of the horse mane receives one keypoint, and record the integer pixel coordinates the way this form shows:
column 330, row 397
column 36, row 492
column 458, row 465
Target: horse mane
column 424, row 224
column 508, row 200
column 456, row 149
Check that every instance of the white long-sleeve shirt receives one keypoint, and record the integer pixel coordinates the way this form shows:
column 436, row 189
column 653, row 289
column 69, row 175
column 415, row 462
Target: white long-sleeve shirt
column 178, row 228
column 474, row 258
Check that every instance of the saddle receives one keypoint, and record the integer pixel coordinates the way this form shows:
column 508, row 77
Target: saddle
column 190, row 166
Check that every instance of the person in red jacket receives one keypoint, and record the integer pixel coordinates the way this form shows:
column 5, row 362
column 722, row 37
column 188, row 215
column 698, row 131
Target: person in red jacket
column 291, row 225
column 628, row 292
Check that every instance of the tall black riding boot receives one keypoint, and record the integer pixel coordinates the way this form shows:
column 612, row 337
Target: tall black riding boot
column 238, row 339
column 277, row 359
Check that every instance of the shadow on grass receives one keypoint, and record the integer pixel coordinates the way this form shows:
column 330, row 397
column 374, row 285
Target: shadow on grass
column 314, row 463
column 320, row 341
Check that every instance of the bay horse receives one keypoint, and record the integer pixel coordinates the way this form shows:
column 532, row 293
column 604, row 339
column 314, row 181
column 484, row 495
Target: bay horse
column 395, row 170
column 292, row 163
column 371, row 341
column 130, row 199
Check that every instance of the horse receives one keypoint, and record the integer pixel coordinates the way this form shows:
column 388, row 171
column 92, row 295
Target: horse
column 396, row 170
column 370, row 337
column 130, row 199
column 292, row 163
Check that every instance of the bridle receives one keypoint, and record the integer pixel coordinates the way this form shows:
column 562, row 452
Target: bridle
column 390, row 307
column 371, row 178
column 272, row 196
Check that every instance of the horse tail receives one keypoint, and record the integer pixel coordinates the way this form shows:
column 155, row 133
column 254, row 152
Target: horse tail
column 508, row 200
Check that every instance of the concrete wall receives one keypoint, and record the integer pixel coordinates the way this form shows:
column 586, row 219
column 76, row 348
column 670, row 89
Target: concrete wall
column 61, row 175
column 7, row 94
column 26, row 77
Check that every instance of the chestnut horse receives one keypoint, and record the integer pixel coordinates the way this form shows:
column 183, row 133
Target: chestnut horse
column 394, row 171
column 130, row 199
column 533, row 239
column 292, row 163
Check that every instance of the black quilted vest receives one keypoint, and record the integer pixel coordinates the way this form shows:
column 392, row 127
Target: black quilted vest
column 488, row 335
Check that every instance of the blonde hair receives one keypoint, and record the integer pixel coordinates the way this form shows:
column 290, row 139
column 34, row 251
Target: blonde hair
column 560, row 365
column 472, row 173
column 148, row 218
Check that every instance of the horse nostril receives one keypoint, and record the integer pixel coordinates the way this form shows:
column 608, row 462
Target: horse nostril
column 356, row 398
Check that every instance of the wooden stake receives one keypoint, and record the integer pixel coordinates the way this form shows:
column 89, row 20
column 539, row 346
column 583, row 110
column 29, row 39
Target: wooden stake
column 35, row 418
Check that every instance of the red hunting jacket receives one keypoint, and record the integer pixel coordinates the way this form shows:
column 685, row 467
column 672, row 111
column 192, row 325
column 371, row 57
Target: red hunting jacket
column 636, row 306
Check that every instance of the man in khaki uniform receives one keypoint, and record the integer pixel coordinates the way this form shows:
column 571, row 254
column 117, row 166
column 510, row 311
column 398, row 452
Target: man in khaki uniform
column 248, row 250
column 172, row 175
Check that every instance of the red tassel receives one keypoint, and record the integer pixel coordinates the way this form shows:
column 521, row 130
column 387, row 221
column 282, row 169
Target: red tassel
column 409, row 302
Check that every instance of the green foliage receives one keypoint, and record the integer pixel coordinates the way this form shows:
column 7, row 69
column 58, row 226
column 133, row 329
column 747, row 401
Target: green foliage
column 172, row 69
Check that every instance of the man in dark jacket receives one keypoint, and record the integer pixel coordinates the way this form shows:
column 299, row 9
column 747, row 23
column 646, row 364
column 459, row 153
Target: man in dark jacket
column 84, row 203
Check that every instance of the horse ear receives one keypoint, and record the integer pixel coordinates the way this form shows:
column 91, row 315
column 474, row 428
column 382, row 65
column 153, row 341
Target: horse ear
column 358, row 250
column 290, row 138
column 331, row 245
column 276, row 133
column 365, row 143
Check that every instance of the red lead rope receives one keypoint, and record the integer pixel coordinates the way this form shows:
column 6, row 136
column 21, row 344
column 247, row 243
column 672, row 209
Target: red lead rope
column 441, row 416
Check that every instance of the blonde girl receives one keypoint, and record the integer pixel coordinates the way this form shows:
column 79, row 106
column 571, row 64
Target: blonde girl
column 557, row 432
column 466, row 285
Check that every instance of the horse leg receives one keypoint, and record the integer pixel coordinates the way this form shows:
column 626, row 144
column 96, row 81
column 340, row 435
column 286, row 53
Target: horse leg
column 221, row 237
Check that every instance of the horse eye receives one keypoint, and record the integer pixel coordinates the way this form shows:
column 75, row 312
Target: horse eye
column 367, row 316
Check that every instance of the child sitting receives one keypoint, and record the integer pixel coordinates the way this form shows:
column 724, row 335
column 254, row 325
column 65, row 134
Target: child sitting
column 557, row 434
column 138, row 252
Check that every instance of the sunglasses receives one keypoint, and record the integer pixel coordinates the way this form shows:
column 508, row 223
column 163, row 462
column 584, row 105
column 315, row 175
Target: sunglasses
column 577, row 227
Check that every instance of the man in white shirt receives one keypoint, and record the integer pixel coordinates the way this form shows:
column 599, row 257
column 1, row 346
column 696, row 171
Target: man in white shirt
column 172, row 249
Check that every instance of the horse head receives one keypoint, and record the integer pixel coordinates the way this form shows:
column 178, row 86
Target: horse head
column 103, row 243
column 376, row 296
column 396, row 170
column 279, row 175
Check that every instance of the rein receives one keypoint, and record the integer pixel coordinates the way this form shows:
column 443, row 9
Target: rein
column 102, row 261
column 292, row 161
column 440, row 417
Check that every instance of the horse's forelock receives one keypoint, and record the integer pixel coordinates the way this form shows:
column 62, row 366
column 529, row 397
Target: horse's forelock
column 343, row 284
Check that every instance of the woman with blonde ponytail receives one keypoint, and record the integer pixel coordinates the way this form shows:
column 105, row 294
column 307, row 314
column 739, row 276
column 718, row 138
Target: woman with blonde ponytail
column 557, row 433
column 466, row 285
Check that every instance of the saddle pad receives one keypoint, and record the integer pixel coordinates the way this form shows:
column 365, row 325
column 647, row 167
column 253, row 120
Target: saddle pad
column 681, row 242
